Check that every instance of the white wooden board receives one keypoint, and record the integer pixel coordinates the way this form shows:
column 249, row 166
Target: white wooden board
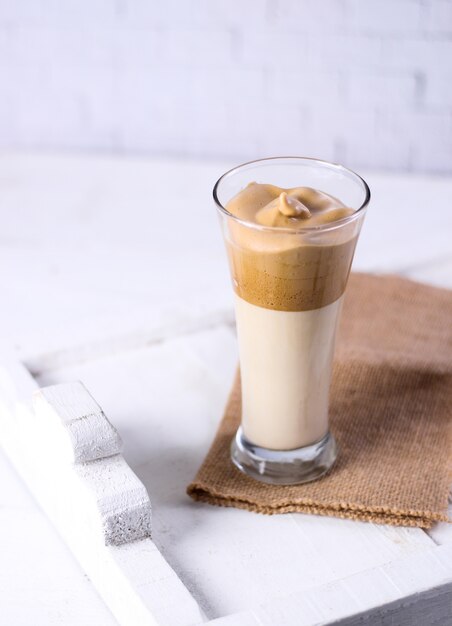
column 97, row 287
column 69, row 456
column 178, row 389
column 334, row 562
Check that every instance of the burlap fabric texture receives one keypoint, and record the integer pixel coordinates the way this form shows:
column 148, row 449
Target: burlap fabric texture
column 391, row 403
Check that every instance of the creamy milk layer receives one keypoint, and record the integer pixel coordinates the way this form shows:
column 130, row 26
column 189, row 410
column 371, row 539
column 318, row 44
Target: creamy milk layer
column 289, row 275
column 285, row 360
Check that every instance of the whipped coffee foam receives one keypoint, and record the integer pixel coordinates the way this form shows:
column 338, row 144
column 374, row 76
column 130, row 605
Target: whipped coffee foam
column 288, row 268
column 293, row 208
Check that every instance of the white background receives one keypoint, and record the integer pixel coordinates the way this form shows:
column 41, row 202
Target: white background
column 367, row 83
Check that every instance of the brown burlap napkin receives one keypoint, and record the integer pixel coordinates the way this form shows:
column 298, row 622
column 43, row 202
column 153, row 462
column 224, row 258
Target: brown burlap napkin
column 390, row 411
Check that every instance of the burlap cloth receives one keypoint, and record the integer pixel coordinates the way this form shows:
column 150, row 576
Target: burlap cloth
column 390, row 411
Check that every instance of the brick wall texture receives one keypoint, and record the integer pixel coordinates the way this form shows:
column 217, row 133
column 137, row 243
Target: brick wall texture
column 364, row 82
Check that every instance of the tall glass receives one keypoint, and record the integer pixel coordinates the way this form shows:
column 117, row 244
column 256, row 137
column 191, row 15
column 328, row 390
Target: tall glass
column 289, row 287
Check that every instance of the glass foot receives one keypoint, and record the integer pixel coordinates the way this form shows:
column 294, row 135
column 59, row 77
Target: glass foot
column 284, row 467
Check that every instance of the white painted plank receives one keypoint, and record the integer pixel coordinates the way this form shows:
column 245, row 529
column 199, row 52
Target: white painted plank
column 109, row 496
column 16, row 382
column 422, row 571
column 146, row 326
column 92, row 505
column 245, row 618
column 430, row 608
column 120, row 501
column 441, row 533
column 79, row 425
column 365, row 543
column 41, row 584
column 415, row 591
column 177, row 390
column 374, row 584
column 138, row 585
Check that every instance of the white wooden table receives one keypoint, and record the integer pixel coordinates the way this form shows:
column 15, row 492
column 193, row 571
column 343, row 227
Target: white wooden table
column 99, row 285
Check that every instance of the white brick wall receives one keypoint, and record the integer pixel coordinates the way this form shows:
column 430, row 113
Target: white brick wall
column 366, row 82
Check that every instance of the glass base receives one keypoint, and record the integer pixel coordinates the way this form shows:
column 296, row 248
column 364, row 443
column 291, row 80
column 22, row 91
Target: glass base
column 284, row 467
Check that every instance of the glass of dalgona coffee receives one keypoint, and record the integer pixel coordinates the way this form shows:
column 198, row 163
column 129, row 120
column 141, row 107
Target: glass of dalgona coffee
column 290, row 226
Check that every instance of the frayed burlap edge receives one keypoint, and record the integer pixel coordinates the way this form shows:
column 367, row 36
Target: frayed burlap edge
column 415, row 519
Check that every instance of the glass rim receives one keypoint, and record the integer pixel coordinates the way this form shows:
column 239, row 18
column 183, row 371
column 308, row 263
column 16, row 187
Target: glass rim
column 305, row 229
